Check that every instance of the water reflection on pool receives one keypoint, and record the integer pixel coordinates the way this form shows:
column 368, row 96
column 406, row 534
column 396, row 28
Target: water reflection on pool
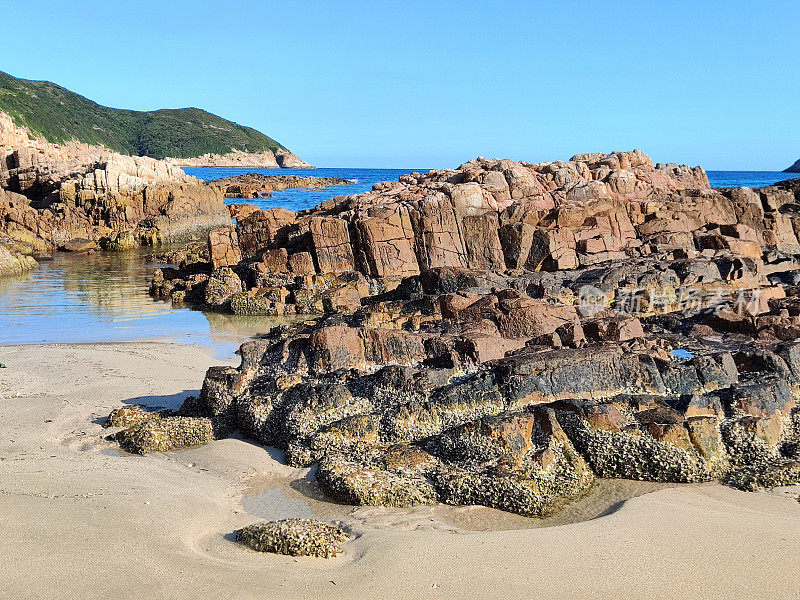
column 103, row 297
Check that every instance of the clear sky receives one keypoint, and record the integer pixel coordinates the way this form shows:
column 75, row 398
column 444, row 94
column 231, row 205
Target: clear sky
column 433, row 84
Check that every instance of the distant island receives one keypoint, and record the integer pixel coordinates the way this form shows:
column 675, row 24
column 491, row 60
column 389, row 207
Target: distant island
column 795, row 168
column 184, row 136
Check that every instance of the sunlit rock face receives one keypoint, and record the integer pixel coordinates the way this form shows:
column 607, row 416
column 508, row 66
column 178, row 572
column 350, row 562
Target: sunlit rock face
column 504, row 333
column 53, row 194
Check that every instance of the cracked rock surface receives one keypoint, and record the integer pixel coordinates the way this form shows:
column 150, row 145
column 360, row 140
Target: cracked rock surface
column 504, row 333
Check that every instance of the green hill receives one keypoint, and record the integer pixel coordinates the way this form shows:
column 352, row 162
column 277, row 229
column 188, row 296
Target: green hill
column 59, row 116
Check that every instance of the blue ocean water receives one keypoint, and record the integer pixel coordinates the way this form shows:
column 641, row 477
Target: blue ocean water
column 298, row 199
column 751, row 179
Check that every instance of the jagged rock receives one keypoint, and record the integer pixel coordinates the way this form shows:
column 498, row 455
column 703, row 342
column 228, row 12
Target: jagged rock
column 223, row 247
column 77, row 196
column 222, row 285
column 503, row 333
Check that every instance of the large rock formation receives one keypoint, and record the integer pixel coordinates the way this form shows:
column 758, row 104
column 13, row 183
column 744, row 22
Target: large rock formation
column 504, row 333
column 52, row 195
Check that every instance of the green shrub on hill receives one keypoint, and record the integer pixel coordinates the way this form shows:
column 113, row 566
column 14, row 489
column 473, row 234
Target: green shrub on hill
column 59, row 116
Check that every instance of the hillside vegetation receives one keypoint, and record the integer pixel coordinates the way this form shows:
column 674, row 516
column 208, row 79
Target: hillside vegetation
column 60, row 116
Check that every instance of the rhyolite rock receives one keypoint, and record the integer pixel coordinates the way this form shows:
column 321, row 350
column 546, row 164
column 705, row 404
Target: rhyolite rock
column 77, row 197
column 238, row 159
column 505, row 333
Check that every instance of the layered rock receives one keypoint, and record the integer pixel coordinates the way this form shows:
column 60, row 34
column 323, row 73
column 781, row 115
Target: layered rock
column 238, row 159
column 51, row 195
column 500, row 216
column 504, row 333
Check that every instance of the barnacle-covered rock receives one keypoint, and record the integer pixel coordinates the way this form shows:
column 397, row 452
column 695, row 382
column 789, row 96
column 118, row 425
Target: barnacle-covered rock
column 636, row 454
column 519, row 462
column 167, row 433
column 369, row 478
column 295, row 537
column 503, row 333
column 129, row 416
column 761, row 456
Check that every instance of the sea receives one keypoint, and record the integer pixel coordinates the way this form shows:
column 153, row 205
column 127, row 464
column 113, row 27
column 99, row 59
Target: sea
column 103, row 297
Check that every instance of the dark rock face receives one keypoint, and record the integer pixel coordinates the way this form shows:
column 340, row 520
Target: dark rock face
column 505, row 333
column 795, row 168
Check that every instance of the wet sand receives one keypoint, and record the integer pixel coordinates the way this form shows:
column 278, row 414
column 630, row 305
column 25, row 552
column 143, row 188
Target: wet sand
column 79, row 519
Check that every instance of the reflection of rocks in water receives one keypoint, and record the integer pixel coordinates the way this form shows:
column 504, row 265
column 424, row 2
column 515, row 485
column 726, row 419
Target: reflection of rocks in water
column 243, row 325
column 109, row 281
column 97, row 297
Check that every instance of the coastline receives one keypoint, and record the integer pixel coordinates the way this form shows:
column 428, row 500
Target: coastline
column 85, row 520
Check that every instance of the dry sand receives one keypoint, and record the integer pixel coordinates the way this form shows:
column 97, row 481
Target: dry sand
column 80, row 520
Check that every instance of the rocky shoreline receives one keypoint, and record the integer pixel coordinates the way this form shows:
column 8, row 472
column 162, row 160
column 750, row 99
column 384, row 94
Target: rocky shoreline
column 66, row 488
column 505, row 333
column 244, row 160
column 257, row 185
column 54, row 197
column 77, row 197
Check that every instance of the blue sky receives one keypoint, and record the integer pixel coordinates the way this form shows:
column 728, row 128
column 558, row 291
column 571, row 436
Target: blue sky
column 433, row 84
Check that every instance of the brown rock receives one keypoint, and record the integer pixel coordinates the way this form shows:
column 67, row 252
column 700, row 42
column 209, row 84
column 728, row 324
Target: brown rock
column 223, row 247
column 330, row 239
column 336, row 347
column 301, row 263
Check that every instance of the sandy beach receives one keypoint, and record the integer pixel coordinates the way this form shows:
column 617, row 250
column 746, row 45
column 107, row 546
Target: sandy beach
column 79, row 519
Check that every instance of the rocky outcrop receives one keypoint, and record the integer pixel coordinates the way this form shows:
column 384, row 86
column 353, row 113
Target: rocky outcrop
column 257, row 185
column 51, row 195
column 795, row 168
column 504, row 333
column 241, row 160
column 490, row 215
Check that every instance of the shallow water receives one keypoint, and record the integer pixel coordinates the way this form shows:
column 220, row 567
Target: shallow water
column 103, row 297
